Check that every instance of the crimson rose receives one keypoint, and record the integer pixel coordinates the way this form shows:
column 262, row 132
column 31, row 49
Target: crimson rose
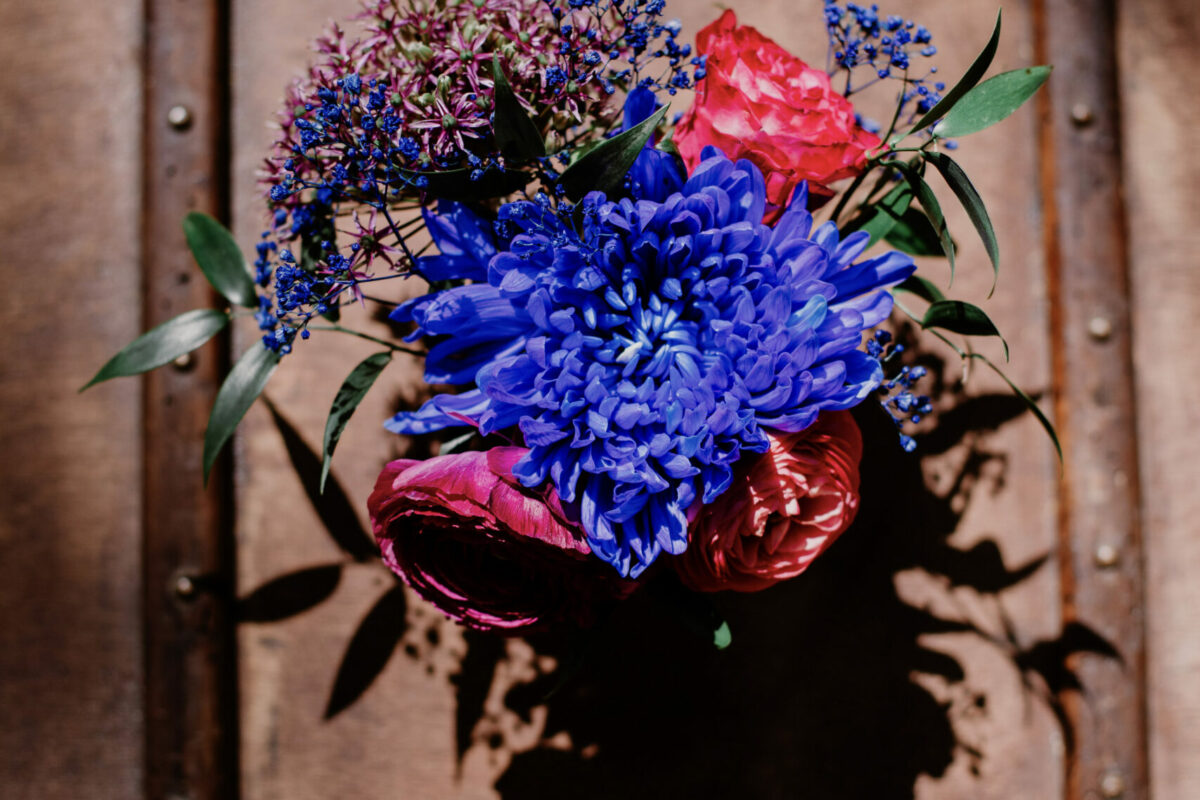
column 759, row 102
column 782, row 511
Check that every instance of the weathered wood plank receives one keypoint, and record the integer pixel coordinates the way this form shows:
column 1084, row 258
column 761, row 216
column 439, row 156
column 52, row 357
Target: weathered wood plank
column 1160, row 115
column 191, row 739
column 70, row 480
column 1101, row 553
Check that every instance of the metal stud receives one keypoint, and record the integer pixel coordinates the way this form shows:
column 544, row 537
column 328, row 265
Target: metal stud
column 1112, row 784
column 1107, row 556
column 1081, row 114
column 1100, row 328
column 185, row 587
column 184, row 362
column 179, row 117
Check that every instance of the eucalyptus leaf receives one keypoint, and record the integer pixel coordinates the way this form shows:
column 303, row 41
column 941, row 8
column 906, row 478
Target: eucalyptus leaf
column 163, row 344
column 879, row 219
column 603, row 169
column 517, row 136
column 241, row 388
column 913, row 233
column 348, row 397
column 1037, row 412
column 991, row 101
column 922, row 288
column 457, row 443
column 933, row 209
column 963, row 189
column 220, row 259
column 960, row 317
column 964, row 85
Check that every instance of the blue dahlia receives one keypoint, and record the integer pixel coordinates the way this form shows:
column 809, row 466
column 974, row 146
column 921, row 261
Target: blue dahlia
column 643, row 345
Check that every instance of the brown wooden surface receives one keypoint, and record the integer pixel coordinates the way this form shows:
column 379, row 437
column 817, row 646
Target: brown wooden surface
column 1100, row 528
column 188, row 569
column 70, row 479
column 1160, row 114
column 923, row 656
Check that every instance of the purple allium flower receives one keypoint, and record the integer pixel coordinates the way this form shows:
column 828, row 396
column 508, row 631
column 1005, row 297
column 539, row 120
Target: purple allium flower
column 376, row 117
column 641, row 346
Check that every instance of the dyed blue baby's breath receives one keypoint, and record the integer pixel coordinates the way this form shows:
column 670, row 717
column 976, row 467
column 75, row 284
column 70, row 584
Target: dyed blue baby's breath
column 642, row 346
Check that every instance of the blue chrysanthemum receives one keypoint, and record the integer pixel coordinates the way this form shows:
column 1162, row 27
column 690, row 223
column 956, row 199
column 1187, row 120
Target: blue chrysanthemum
column 643, row 345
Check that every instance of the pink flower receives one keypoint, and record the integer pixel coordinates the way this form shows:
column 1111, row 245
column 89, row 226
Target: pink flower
column 783, row 510
column 759, row 102
column 466, row 536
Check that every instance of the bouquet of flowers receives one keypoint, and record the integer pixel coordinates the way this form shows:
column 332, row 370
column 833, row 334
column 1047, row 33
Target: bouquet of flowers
column 646, row 329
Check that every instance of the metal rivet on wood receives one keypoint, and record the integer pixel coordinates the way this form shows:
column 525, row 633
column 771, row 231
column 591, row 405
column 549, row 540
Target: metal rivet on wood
column 1107, row 556
column 179, row 117
column 1099, row 328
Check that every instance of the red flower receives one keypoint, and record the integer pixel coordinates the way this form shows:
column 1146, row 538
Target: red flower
column 761, row 103
column 781, row 512
column 466, row 536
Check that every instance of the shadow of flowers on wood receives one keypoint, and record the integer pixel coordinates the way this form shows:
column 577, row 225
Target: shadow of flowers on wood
column 817, row 693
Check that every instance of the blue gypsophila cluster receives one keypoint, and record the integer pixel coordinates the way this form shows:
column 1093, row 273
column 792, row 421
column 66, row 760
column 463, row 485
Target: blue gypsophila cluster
column 896, row 392
column 885, row 47
column 642, row 346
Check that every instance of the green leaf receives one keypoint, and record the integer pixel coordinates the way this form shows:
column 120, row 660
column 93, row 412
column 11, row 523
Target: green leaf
column 913, row 233
column 694, row 611
column 220, row 259
column 241, row 388
column 603, row 169
column 973, row 203
column 933, row 209
column 879, row 219
column 456, row 184
column 964, row 85
column 991, row 101
column 722, row 636
column 163, row 344
column 517, row 136
column 1037, row 412
column 960, row 317
column 922, row 288
column 351, row 393
column 456, row 443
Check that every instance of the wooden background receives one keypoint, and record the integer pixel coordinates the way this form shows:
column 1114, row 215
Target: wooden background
column 997, row 630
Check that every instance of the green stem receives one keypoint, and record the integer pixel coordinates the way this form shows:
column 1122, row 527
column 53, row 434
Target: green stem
column 339, row 329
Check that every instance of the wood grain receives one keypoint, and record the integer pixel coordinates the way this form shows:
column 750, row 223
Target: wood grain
column 1160, row 114
column 190, row 664
column 70, row 481
column 1100, row 543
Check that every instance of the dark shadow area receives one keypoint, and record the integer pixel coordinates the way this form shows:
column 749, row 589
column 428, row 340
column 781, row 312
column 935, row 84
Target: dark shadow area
column 816, row 696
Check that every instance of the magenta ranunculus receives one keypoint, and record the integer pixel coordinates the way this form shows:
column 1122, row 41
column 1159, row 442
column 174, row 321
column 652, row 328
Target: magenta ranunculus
column 783, row 510
column 488, row 552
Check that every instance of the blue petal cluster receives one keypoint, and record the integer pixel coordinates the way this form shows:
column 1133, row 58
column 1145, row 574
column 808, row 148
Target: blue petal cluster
column 642, row 346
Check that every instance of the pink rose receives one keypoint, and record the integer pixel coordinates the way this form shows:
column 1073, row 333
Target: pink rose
column 466, row 536
column 782, row 511
column 759, row 102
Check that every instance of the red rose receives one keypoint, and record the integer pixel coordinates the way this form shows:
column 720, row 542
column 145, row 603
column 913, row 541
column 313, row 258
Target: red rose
column 782, row 511
column 759, row 102
column 466, row 536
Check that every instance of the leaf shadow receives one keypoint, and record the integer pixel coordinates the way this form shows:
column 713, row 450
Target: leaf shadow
column 333, row 507
column 369, row 650
column 290, row 594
